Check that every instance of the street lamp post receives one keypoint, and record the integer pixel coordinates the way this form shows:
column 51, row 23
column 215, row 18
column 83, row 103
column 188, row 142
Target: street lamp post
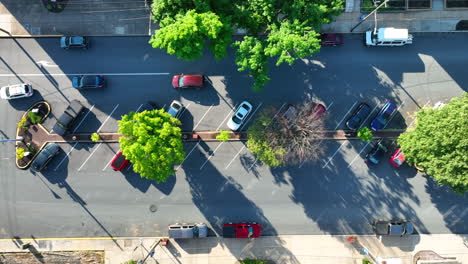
column 370, row 14
column 11, row 140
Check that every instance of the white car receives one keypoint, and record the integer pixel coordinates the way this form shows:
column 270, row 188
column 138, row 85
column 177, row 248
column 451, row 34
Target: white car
column 16, row 91
column 175, row 108
column 239, row 116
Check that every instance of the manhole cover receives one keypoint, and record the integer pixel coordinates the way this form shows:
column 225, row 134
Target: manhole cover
column 153, row 208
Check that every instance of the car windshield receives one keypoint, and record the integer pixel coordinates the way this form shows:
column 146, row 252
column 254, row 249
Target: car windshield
column 89, row 80
column 246, row 107
column 181, row 81
column 7, row 91
column 236, row 120
column 176, row 106
column 381, row 120
column 398, row 161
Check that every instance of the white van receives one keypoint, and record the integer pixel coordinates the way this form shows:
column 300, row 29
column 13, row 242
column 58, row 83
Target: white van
column 388, row 37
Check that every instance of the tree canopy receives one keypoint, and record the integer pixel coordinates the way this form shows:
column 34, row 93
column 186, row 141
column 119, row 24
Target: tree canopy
column 285, row 30
column 152, row 142
column 439, row 143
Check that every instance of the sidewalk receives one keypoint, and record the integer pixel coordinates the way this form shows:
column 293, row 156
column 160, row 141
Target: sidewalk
column 323, row 249
column 127, row 18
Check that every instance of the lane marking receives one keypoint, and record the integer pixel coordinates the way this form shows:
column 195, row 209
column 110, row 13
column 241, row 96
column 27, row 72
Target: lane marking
column 234, row 157
column 139, row 108
column 183, row 110
column 394, row 114
column 84, row 117
column 329, row 106
column 255, row 161
column 86, row 74
column 108, row 163
column 209, row 157
column 371, row 113
column 351, row 108
column 44, row 63
column 99, row 129
column 195, row 128
column 89, row 157
column 228, row 115
column 359, row 154
column 247, row 121
column 188, row 155
column 73, row 147
column 329, row 159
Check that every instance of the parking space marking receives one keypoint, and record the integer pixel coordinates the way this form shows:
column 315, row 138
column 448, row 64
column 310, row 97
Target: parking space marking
column 394, row 114
column 258, row 107
column 329, row 159
column 84, row 117
column 351, row 108
column 229, row 114
column 139, row 108
column 188, row 155
column 183, row 110
column 329, row 106
column 103, row 123
column 365, row 146
column 212, row 154
column 234, row 157
column 363, row 123
column 89, row 157
column 195, row 128
column 108, row 163
column 86, row 74
column 65, row 157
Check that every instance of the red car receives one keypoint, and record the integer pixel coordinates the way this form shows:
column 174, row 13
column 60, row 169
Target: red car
column 397, row 158
column 119, row 162
column 242, row 230
column 188, row 81
column 331, row 39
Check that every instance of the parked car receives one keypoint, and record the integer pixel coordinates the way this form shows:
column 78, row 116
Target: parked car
column 397, row 158
column 16, row 91
column 358, row 116
column 175, row 108
column 188, row 81
column 187, row 230
column 393, row 228
column 383, row 116
column 119, row 162
column 242, row 230
column 331, row 39
column 88, row 81
column 66, row 120
column 74, row 42
column 376, row 153
column 317, row 111
column 45, row 156
column 239, row 116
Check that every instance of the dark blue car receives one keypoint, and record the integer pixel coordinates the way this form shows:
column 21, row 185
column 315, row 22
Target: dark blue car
column 88, row 81
column 383, row 117
column 74, row 42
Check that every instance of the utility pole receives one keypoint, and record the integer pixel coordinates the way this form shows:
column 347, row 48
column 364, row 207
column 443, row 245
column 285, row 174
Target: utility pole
column 11, row 140
column 374, row 12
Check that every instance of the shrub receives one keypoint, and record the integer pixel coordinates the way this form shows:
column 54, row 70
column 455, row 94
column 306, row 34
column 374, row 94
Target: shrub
column 95, row 137
column 365, row 134
column 253, row 261
column 19, row 153
column 130, row 262
column 366, row 261
column 223, row 136
column 49, row 6
column 34, row 118
column 22, row 123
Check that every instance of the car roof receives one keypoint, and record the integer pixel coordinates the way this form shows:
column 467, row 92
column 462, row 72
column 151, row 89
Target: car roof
column 388, row 107
column 76, row 40
column 16, row 89
column 193, row 80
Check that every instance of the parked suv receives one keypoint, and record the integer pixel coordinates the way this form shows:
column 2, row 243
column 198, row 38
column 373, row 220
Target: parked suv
column 360, row 114
column 74, row 42
column 65, row 121
column 187, row 230
column 46, row 155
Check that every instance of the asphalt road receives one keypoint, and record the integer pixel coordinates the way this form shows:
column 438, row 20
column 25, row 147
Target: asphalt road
column 79, row 195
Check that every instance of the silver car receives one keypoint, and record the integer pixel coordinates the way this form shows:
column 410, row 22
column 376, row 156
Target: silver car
column 235, row 122
column 175, row 108
column 16, row 91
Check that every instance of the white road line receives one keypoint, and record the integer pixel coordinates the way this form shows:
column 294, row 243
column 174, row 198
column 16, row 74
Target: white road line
column 359, row 154
column 187, row 155
column 329, row 159
column 183, row 110
column 108, row 163
column 86, row 74
column 351, row 108
column 277, row 112
column 73, row 147
column 84, row 117
column 234, row 157
column 247, row 121
column 129, row 166
column 329, row 106
column 228, row 115
column 195, row 128
column 138, row 108
column 89, row 157
column 99, row 129
column 251, row 166
column 212, row 154
column 393, row 115
column 364, row 122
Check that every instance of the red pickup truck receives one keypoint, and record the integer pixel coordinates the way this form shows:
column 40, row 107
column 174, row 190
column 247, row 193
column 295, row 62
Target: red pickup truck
column 242, row 230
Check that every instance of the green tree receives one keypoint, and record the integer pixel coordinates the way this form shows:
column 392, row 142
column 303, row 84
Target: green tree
column 34, row 118
column 19, row 153
column 95, row 137
column 365, row 134
column 439, row 143
column 251, row 56
column 223, row 136
column 152, row 141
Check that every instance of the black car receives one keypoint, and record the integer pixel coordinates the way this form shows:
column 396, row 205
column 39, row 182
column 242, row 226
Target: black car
column 393, row 227
column 74, row 42
column 65, row 121
column 360, row 114
column 376, row 153
column 88, row 81
column 46, row 155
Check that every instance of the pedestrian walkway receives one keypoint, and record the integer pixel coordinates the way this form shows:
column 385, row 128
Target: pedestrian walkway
column 323, row 249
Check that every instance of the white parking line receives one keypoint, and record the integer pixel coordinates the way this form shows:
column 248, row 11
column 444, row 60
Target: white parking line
column 351, row 108
column 194, row 128
column 183, row 110
column 65, row 157
column 247, row 121
column 139, row 108
column 89, row 156
column 108, row 163
column 103, row 123
column 86, row 74
column 329, row 106
column 234, row 157
column 329, row 159
column 84, row 117
column 187, row 155
column 364, row 122
column 228, row 115
column 359, row 154
column 212, row 154
column 394, row 114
